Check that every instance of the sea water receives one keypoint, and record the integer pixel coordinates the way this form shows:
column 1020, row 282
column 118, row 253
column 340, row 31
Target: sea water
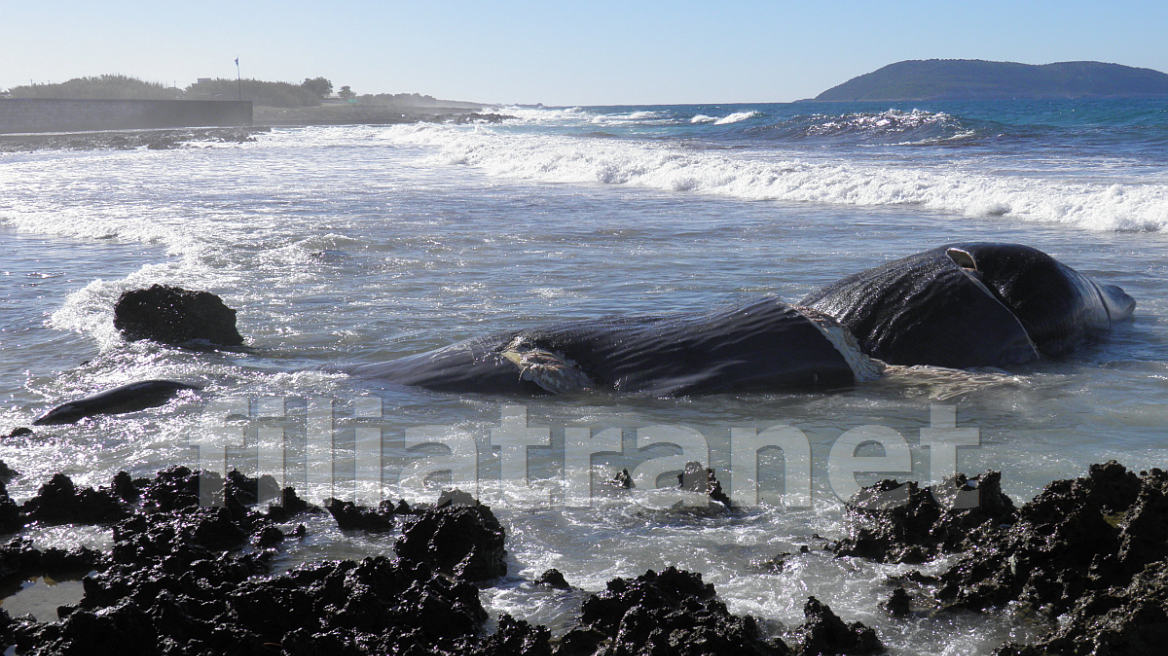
column 358, row 244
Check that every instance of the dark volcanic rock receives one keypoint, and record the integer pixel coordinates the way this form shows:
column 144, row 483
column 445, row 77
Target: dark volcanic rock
column 668, row 613
column 172, row 315
column 899, row 604
column 824, row 633
column 552, row 578
column 700, row 479
column 11, row 517
column 60, row 502
column 1078, row 535
column 512, row 638
column 1120, row 620
column 904, row 523
column 352, row 516
column 622, row 480
column 466, row 541
column 19, row 560
column 186, row 579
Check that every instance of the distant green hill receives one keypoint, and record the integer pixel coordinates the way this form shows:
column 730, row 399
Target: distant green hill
column 971, row 79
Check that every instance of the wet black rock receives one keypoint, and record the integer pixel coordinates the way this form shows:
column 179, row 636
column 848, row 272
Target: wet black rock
column 899, row 604
column 352, row 516
column 452, row 498
column 20, row 560
column 21, row 431
column 823, row 633
column 11, row 517
column 60, row 502
column 465, row 541
column 622, row 480
column 673, row 612
column 773, row 565
column 125, row 488
column 172, row 315
column 905, row 523
column 1092, row 552
column 1118, row 620
column 512, row 638
column 552, row 578
column 1078, row 535
column 700, row 479
column 185, row 579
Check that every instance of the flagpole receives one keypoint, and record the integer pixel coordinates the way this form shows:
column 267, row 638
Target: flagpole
column 238, row 78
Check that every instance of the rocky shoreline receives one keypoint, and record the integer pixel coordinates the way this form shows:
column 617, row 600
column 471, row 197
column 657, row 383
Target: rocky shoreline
column 185, row 576
column 166, row 139
column 170, row 139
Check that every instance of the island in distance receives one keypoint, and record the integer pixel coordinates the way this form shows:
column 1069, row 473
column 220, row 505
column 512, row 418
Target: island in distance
column 973, row 79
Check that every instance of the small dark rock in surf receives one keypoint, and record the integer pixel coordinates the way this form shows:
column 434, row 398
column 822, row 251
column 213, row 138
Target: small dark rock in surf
column 622, row 480
column 352, row 516
column 172, row 315
column 823, row 633
column 700, row 479
column 552, row 578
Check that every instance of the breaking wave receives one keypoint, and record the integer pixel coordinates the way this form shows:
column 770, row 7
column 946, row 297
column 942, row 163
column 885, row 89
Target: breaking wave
column 967, row 191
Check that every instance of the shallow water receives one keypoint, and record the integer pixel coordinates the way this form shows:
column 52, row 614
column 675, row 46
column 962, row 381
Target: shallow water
column 357, row 244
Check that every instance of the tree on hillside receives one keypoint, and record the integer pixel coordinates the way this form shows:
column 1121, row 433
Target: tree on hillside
column 268, row 94
column 321, row 86
column 106, row 87
column 345, row 93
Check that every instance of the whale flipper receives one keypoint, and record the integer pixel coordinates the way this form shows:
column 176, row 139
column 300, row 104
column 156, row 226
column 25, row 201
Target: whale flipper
column 127, row 398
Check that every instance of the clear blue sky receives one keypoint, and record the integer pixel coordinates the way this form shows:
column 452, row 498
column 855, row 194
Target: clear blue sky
column 562, row 53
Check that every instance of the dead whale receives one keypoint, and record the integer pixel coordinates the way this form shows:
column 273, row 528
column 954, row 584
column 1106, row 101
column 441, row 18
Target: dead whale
column 972, row 305
column 764, row 344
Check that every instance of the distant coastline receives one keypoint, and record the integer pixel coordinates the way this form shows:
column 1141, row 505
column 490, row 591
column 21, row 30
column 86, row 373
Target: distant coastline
column 965, row 79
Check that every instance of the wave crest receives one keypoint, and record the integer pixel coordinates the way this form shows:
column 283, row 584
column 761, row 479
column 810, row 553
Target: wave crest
column 1099, row 206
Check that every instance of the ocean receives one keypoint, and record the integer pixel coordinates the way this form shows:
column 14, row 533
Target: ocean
column 351, row 245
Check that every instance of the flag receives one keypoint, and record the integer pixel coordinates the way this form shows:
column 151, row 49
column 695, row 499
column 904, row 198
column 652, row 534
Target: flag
column 237, row 61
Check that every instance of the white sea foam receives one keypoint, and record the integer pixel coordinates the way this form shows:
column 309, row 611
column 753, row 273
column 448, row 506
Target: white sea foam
column 702, row 118
column 736, row 117
column 963, row 191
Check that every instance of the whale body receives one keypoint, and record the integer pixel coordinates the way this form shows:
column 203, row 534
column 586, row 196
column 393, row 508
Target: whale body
column 973, row 305
column 764, row 344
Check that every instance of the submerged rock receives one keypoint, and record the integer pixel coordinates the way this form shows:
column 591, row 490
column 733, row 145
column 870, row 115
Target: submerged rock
column 899, row 604
column 172, row 315
column 622, row 480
